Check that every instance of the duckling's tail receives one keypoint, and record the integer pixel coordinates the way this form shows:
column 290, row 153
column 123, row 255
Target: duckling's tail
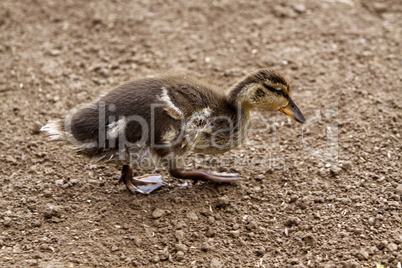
column 55, row 131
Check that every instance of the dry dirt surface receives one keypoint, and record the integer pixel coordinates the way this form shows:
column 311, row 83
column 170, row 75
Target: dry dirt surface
column 323, row 194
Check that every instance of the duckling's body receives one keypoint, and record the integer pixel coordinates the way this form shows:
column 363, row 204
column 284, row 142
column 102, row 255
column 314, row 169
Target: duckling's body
column 160, row 120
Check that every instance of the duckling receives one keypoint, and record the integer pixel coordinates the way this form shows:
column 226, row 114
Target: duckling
column 160, row 120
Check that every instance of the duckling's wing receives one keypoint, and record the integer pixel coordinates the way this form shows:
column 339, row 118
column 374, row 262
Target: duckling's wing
column 187, row 95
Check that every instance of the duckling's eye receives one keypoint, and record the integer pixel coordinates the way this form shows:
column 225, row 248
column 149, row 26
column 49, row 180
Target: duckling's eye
column 276, row 90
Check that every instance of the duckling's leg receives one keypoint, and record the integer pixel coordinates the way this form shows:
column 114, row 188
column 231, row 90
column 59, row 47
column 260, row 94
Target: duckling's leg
column 143, row 184
column 204, row 175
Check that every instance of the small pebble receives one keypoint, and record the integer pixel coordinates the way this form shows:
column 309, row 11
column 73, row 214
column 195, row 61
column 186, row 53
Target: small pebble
column 216, row 263
column 11, row 160
column 54, row 52
column 180, row 235
column 392, row 247
column 7, row 222
column 234, row 234
column 155, row 259
column 181, row 247
column 335, row 171
column 164, row 256
column 36, row 127
column 299, row 8
column 158, row 212
column 309, row 240
column 32, row 262
column 222, row 201
column 179, row 255
column 251, row 226
column 180, row 225
column 381, row 245
column 291, row 221
column 398, row 189
column 51, row 211
column 211, row 220
column 346, row 165
column 380, row 7
column 362, row 255
column 192, row 216
column 206, row 247
column 294, row 261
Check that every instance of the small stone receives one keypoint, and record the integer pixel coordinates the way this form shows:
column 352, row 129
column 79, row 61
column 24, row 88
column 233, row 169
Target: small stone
column 380, row 7
column 115, row 248
column 180, row 225
column 234, row 234
column 36, row 224
column 381, row 245
column 206, row 247
column 398, row 189
column 251, row 226
column 294, row 261
column 283, row 12
column 74, row 181
column 397, row 238
column 299, row 8
column 335, row 170
column 192, row 216
column 394, row 204
column 346, row 165
column 362, row 255
column 371, row 221
column 11, row 160
column 158, row 212
column 180, row 235
column 32, row 262
column 260, row 251
column 223, row 201
column 351, row 264
column 211, row 220
column 155, row 259
column 216, row 263
column 7, row 222
column 291, row 221
column 54, row 52
column 210, row 232
column 316, row 215
column 309, row 240
column 181, row 247
column 46, row 248
column 260, row 177
column 164, row 255
column 36, row 127
column 51, row 211
column 257, row 189
column 372, row 250
column 59, row 182
column 392, row 247
column 179, row 255
column 47, row 193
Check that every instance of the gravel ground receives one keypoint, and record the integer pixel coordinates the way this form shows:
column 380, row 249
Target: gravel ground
column 323, row 194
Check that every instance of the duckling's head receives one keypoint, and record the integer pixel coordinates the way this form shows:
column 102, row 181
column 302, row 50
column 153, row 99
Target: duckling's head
column 265, row 89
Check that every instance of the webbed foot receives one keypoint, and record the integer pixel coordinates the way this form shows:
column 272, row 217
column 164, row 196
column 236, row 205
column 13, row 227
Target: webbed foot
column 142, row 184
column 204, row 175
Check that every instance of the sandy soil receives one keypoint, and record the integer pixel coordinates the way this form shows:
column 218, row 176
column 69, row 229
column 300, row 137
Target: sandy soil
column 324, row 194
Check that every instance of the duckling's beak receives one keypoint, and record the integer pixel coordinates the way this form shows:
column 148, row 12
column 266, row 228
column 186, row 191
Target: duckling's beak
column 292, row 111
